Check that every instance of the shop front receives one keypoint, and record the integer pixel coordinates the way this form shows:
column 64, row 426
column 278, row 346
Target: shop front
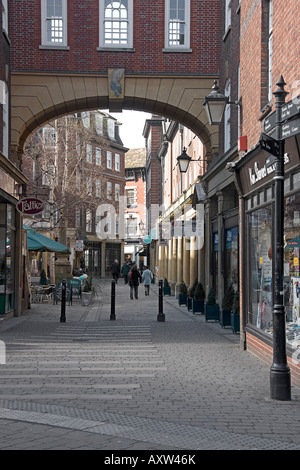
column 255, row 181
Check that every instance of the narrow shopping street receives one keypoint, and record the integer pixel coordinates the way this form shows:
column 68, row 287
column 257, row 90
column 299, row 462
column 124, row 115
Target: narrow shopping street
column 135, row 382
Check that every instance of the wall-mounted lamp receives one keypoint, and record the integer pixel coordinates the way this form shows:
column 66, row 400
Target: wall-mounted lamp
column 215, row 103
column 184, row 160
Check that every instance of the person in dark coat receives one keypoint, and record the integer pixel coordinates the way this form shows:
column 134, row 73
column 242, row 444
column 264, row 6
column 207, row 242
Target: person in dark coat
column 115, row 270
column 134, row 279
column 125, row 270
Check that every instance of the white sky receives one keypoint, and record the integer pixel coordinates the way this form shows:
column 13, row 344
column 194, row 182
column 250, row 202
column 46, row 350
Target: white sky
column 131, row 131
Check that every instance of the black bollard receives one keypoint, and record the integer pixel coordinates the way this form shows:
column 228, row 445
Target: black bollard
column 113, row 301
column 63, row 302
column 161, row 315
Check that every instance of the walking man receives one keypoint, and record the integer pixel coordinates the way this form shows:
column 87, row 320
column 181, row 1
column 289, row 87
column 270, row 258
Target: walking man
column 134, row 281
column 115, row 270
column 124, row 271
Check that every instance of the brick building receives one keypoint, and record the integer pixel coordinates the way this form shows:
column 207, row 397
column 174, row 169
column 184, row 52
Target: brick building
column 76, row 165
column 135, row 214
column 269, row 41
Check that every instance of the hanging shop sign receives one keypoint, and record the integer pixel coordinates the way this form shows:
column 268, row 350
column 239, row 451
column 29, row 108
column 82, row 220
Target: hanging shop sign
column 30, row 206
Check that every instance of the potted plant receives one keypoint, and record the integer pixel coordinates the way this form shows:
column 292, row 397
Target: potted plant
column 226, row 307
column 87, row 289
column 198, row 300
column 183, row 293
column 191, row 292
column 235, row 313
column 211, row 307
column 43, row 279
column 167, row 287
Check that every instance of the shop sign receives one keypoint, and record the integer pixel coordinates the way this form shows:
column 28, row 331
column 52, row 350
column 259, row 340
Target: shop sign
column 30, row 206
column 79, row 245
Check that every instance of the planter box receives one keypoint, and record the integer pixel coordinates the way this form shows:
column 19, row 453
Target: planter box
column 198, row 306
column 235, row 322
column 167, row 290
column 212, row 312
column 182, row 299
column 189, row 303
column 225, row 317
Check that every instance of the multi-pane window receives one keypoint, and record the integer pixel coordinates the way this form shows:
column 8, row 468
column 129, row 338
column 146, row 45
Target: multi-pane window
column 130, row 197
column 227, row 14
column 98, row 188
column 227, row 119
column 88, row 220
column 116, row 19
column 117, row 162
column 49, row 137
column 98, row 156
column 108, row 160
column 89, row 157
column 117, row 192
column 177, row 29
column 54, row 22
column 131, row 227
column 89, row 186
column 109, row 190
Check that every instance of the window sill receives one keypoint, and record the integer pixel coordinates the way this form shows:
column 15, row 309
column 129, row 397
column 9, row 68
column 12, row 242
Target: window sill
column 55, row 48
column 175, row 49
column 115, row 49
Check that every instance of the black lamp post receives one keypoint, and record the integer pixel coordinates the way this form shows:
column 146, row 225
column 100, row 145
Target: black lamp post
column 280, row 381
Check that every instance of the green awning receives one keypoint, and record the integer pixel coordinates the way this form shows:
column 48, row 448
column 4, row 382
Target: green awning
column 38, row 242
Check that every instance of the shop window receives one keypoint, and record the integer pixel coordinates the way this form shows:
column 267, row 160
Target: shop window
column 7, row 258
column 260, row 238
column 231, row 248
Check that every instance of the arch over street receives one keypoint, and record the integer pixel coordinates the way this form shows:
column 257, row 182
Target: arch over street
column 37, row 98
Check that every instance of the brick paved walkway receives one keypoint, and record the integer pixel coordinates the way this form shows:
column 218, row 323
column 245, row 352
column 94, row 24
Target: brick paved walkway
column 135, row 383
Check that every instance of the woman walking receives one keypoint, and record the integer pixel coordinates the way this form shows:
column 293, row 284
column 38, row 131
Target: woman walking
column 147, row 278
column 134, row 280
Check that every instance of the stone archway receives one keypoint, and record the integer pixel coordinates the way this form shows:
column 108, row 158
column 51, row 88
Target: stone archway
column 38, row 98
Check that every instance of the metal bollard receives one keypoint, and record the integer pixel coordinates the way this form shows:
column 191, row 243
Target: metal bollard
column 161, row 315
column 113, row 301
column 63, row 302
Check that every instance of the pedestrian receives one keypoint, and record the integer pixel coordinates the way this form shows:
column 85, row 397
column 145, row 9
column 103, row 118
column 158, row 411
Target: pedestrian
column 115, row 270
column 124, row 271
column 147, row 278
column 134, row 279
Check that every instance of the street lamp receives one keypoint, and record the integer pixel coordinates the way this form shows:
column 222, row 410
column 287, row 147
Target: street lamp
column 214, row 105
column 280, row 381
column 183, row 161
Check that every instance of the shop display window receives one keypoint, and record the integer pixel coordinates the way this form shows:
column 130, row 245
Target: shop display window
column 260, row 237
column 231, row 246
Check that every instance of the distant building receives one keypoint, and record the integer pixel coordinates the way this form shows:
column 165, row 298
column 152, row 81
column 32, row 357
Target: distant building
column 76, row 165
column 135, row 216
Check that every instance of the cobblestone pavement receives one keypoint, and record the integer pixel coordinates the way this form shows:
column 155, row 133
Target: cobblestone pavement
column 134, row 382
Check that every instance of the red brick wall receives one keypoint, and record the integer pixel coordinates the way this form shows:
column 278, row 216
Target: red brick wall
column 265, row 352
column 83, row 40
column 286, row 42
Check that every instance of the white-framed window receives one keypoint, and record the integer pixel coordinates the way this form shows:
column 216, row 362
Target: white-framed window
column 5, row 15
column 227, row 14
column 117, row 162
column 4, row 100
column 108, row 159
column 131, row 225
column 98, row 188
column 49, row 137
column 227, row 118
column 88, row 220
column 111, row 129
column 116, row 24
column 89, row 153
column 109, row 189
column 99, row 124
column 98, row 156
column 117, row 192
column 48, row 174
column 89, row 186
column 86, row 119
column 177, row 24
column 54, row 22
column 270, row 48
